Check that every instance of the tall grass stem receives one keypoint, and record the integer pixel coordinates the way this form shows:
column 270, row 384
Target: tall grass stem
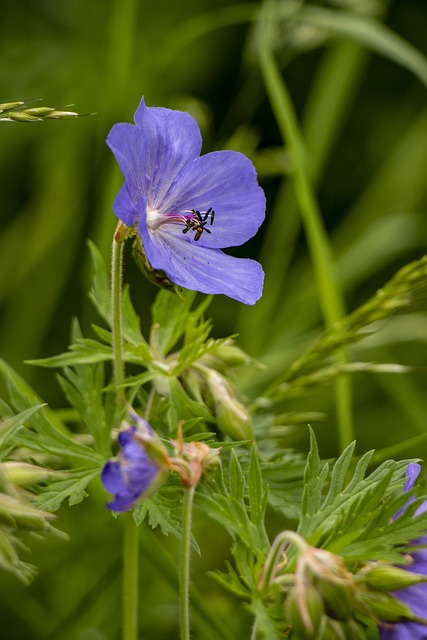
column 330, row 297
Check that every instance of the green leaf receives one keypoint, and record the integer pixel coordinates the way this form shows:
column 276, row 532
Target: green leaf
column 83, row 387
column 46, row 433
column 184, row 407
column 10, row 426
column 100, row 292
column 131, row 323
column 255, row 489
column 83, row 352
column 265, row 623
column 164, row 513
column 339, row 473
column 314, row 479
column 236, row 478
column 170, row 314
column 73, row 488
column 231, row 581
column 356, row 519
column 370, row 33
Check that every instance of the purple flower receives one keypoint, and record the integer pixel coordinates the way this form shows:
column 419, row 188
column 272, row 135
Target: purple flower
column 187, row 207
column 415, row 596
column 132, row 473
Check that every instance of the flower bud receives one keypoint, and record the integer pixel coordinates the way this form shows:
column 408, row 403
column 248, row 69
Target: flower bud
column 24, row 474
column 17, row 513
column 333, row 581
column 383, row 577
column 226, row 354
column 305, row 610
column 387, row 608
column 232, row 416
column 156, row 276
column 192, row 459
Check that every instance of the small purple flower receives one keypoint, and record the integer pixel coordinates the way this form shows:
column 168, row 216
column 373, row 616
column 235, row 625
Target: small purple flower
column 131, row 474
column 415, row 596
column 187, row 207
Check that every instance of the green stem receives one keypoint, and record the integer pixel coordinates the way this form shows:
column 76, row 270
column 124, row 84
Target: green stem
column 254, row 630
column 130, row 578
column 131, row 534
column 184, row 571
column 116, row 321
column 330, row 297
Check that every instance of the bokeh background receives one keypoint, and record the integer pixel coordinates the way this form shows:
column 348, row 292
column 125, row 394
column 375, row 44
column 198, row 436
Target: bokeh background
column 365, row 122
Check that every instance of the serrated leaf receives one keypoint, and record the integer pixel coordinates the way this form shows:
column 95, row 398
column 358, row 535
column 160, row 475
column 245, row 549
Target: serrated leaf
column 184, row 406
column 266, row 626
column 49, row 434
column 83, row 387
column 360, row 470
column 237, row 481
column 314, row 479
column 78, row 354
column 255, row 489
column 339, row 473
column 10, row 426
column 71, row 488
column 131, row 323
column 100, row 292
column 231, row 581
column 170, row 313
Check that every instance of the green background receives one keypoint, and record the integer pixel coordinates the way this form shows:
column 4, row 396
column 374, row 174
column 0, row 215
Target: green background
column 365, row 122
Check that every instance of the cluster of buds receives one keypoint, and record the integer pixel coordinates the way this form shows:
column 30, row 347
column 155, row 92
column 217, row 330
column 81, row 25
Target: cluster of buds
column 19, row 517
column 207, row 382
column 143, row 464
column 192, row 459
column 18, row 112
column 324, row 600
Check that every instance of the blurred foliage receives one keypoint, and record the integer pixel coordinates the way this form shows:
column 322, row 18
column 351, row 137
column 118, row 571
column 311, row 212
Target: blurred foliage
column 364, row 122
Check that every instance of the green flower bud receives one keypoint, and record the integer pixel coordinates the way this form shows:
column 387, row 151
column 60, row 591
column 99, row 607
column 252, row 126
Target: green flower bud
column 383, row 577
column 328, row 574
column 24, row 474
column 226, row 355
column 386, row 608
column 338, row 598
column 305, row 611
column 156, row 276
column 232, row 416
column 22, row 515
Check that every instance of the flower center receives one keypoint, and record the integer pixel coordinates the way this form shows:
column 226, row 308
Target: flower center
column 192, row 220
column 197, row 222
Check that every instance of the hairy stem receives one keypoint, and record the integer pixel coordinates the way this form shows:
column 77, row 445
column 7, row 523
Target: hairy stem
column 130, row 578
column 131, row 535
column 184, row 571
column 116, row 321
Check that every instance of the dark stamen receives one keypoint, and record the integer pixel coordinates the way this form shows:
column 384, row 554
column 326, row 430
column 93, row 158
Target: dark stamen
column 198, row 222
